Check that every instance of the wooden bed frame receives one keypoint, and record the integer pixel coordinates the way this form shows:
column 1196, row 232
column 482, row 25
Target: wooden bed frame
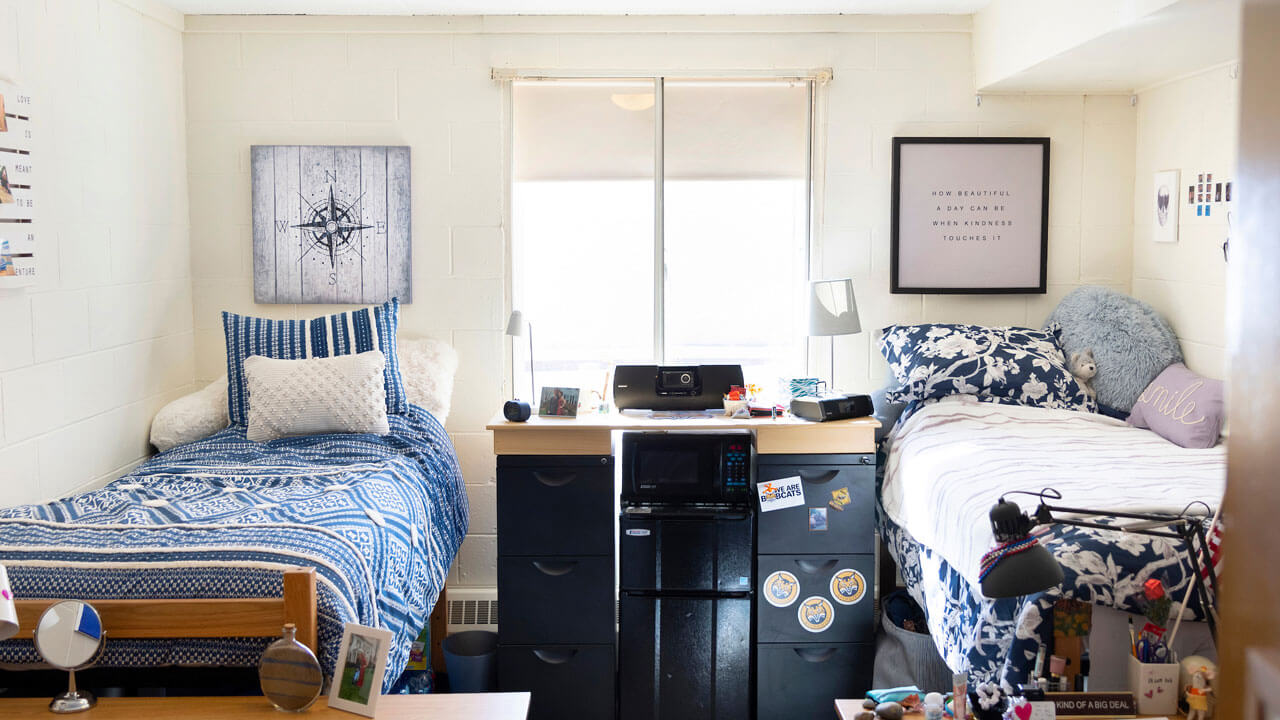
column 200, row 618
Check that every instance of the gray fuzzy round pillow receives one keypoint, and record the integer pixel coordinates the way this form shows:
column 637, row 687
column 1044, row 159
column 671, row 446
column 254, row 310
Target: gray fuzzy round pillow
column 1131, row 342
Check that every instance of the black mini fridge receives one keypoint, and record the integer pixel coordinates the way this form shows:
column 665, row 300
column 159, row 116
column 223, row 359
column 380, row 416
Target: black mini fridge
column 685, row 627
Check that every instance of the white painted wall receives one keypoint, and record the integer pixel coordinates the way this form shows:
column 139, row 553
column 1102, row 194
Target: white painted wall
column 89, row 354
column 426, row 82
column 1187, row 125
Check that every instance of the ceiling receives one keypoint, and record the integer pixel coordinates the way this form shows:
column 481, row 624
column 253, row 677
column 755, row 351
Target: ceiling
column 573, row 7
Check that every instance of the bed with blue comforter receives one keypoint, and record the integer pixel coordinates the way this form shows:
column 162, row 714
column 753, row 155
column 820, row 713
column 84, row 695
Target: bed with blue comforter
column 948, row 461
column 380, row 518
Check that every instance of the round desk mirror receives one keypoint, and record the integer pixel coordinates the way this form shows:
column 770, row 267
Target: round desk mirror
column 69, row 637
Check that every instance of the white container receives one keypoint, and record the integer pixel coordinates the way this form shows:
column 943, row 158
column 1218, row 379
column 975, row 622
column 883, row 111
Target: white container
column 1154, row 686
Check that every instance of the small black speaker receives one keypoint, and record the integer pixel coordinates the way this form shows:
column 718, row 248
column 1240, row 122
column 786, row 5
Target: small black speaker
column 516, row 410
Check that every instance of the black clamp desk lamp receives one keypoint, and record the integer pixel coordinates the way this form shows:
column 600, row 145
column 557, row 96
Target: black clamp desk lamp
column 1019, row 565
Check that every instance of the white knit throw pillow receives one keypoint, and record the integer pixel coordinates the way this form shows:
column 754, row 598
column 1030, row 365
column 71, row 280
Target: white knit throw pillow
column 340, row 394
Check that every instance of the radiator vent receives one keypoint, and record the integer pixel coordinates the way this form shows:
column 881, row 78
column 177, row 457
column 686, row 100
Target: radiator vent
column 473, row 609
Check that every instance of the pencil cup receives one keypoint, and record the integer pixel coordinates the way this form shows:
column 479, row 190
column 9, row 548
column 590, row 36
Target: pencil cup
column 1154, row 686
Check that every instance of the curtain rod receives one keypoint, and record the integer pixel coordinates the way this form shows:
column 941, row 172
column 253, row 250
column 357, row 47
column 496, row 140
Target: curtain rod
column 821, row 75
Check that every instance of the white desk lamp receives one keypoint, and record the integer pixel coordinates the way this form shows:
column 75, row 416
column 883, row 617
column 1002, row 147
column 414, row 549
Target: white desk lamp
column 833, row 311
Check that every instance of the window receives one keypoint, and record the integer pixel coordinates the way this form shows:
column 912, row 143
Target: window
column 660, row 220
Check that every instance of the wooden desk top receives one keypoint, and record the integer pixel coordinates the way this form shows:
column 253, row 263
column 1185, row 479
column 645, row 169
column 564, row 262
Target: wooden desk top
column 590, row 434
column 478, row 706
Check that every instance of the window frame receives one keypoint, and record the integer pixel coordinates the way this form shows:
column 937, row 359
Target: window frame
column 816, row 80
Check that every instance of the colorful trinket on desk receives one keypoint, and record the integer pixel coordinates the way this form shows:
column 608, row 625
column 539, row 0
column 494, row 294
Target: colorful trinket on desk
column 987, row 701
column 1199, row 694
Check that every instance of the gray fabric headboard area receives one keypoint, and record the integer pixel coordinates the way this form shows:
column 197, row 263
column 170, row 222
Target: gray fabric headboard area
column 1131, row 342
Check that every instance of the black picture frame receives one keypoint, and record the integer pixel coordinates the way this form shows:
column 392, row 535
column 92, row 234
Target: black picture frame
column 895, row 239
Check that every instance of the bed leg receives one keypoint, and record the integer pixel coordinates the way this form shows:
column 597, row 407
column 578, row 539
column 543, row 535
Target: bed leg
column 300, row 604
column 439, row 625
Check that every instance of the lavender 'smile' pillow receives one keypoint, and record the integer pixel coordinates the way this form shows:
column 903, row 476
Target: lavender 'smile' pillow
column 1182, row 407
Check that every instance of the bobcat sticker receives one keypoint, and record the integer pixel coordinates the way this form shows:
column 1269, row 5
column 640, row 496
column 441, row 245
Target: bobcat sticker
column 781, row 588
column 848, row 586
column 816, row 614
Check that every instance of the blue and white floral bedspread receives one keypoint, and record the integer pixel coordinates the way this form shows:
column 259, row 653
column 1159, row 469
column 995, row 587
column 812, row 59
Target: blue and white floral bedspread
column 951, row 460
column 380, row 518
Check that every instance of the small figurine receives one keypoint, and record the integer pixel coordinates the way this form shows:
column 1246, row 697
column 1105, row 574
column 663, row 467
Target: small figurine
column 1198, row 694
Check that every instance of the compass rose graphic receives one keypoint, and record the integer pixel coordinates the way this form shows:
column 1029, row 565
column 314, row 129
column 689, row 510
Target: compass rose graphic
column 331, row 227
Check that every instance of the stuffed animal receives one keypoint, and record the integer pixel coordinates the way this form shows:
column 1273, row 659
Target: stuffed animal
column 1084, row 367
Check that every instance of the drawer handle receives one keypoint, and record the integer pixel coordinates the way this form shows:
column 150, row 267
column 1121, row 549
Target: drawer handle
column 554, row 480
column 559, row 568
column 819, row 478
column 556, row 657
column 815, row 656
column 812, row 567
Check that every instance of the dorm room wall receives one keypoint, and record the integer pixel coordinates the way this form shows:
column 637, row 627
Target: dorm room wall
column 425, row 82
column 1188, row 124
column 89, row 353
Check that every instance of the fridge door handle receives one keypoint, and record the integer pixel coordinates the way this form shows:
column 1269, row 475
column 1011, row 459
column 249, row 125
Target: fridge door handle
column 555, row 657
column 814, row 655
column 555, row 569
column 814, row 567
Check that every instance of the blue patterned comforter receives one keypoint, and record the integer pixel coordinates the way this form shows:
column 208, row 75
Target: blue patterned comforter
column 950, row 461
column 379, row 517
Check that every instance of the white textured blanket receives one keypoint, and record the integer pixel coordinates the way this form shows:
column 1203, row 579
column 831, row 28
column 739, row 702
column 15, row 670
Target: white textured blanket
column 951, row 461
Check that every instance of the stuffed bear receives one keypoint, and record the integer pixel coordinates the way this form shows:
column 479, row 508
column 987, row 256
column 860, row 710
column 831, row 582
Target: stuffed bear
column 1084, row 367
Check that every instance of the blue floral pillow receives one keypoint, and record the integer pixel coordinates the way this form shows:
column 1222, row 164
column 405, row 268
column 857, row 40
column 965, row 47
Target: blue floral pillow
column 1009, row 365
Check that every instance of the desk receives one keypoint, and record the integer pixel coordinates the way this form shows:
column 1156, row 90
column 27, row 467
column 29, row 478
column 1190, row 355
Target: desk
column 557, row 549
column 479, row 706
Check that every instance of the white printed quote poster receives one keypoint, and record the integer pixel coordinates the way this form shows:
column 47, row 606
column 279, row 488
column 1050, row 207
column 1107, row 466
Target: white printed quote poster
column 970, row 215
column 17, row 206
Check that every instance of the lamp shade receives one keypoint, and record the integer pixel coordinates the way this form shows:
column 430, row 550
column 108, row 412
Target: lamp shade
column 515, row 323
column 1030, row 571
column 8, row 611
column 832, row 308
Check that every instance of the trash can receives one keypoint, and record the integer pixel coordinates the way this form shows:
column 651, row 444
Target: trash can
column 471, row 659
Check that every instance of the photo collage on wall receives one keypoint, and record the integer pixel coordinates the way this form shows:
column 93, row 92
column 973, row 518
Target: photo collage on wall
column 17, row 234
column 1210, row 194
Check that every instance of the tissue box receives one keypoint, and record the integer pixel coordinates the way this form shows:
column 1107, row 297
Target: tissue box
column 1154, row 686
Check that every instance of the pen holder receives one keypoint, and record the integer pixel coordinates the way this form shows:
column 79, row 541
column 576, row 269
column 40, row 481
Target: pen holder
column 1154, row 686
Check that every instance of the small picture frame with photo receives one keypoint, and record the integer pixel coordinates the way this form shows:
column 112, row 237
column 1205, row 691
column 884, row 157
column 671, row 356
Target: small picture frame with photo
column 362, row 660
column 558, row 402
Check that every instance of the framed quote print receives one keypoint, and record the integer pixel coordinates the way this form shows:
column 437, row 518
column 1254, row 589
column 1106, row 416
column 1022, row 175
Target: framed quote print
column 969, row 215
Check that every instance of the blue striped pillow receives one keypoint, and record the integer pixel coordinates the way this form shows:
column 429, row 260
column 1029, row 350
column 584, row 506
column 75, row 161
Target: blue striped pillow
column 342, row 334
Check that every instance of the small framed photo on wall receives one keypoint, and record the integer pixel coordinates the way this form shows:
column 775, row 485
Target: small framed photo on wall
column 969, row 215
column 1164, row 221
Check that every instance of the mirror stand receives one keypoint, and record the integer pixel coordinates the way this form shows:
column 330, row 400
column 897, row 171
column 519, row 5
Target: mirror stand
column 73, row 700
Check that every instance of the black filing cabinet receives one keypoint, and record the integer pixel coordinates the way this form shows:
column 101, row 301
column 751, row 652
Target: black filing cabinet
column 556, row 608
column 815, row 577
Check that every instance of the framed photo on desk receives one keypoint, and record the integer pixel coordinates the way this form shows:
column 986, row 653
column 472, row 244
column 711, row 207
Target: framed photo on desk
column 558, row 402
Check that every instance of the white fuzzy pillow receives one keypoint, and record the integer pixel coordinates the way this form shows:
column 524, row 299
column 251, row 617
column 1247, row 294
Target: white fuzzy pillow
column 191, row 417
column 428, row 367
column 313, row 396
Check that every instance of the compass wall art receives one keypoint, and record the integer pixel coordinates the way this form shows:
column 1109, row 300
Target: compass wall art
column 331, row 224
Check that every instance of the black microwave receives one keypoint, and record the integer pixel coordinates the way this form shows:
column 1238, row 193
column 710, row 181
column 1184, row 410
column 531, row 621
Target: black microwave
column 686, row 467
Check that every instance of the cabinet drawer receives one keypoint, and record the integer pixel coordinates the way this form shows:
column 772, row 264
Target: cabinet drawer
column 849, row 530
column 558, row 599
column 556, row 510
column 801, row 681
column 565, row 681
column 806, row 601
